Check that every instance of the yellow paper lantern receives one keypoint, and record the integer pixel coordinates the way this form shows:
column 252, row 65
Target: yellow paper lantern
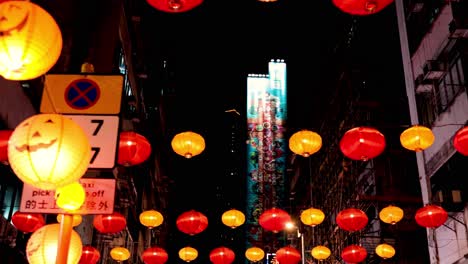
column 312, row 216
column 30, row 40
column 48, row 151
column 120, row 254
column 75, row 222
column 43, row 243
column 391, row 214
column 188, row 254
column 385, row 251
column 417, row 138
column 320, row 252
column 71, row 196
column 233, row 218
column 151, row 218
column 188, row 144
column 254, row 254
column 305, row 143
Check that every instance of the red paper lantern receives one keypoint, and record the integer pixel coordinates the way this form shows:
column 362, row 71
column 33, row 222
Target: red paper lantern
column 431, row 216
column 361, row 7
column 192, row 222
column 154, row 255
column 110, row 223
column 89, row 255
column 27, row 222
column 460, row 141
column 222, row 255
column 174, row 6
column 354, row 254
column 274, row 219
column 362, row 143
column 4, row 137
column 352, row 219
column 288, row 255
column 134, row 149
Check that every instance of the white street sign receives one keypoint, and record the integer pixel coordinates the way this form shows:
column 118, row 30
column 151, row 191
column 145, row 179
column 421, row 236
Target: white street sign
column 99, row 198
column 102, row 131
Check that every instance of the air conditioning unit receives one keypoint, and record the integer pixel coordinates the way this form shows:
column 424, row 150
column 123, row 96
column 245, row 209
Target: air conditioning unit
column 423, row 85
column 434, row 70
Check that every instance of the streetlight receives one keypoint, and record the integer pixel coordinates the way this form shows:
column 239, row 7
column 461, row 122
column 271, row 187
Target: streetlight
column 291, row 226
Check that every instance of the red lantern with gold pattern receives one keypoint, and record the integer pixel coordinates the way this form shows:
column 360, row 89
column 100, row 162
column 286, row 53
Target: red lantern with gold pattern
column 431, row 216
column 4, row 137
column 288, row 255
column 154, row 255
column 174, row 6
column 27, row 222
column 460, row 141
column 192, row 222
column 110, row 223
column 274, row 219
column 352, row 219
column 354, row 254
column 89, row 255
column 134, row 149
column 362, row 143
column 222, row 255
column 361, row 7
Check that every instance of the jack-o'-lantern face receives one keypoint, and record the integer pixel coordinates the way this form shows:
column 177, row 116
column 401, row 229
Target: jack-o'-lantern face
column 49, row 151
column 13, row 15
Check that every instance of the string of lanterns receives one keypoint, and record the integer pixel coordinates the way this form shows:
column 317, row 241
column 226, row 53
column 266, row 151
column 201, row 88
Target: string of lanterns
column 364, row 143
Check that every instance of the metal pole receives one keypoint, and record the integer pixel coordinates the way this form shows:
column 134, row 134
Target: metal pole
column 302, row 248
column 66, row 228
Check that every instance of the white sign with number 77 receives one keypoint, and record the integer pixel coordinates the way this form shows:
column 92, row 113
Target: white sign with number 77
column 103, row 133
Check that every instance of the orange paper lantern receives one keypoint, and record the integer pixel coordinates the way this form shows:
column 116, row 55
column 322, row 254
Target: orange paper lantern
column 320, row 252
column 288, row 255
column 134, row 149
column 362, row 143
column 154, row 255
column 305, row 143
column 391, row 214
column 254, row 254
column 274, row 219
column 4, row 138
column 352, row 219
column 188, row 254
column 110, row 223
column 354, row 254
column 431, row 216
column 361, row 7
column 27, row 222
column 460, row 141
column 89, row 255
column 76, row 221
column 31, row 40
column 312, row 216
column 233, row 218
column 151, row 218
column 222, row 255
column 42, row 246
column 417, row 138
column 188, row 144
column 174, row 6
column 49, row 151
column 192, row 222
column 120, row 254
column 385, row 251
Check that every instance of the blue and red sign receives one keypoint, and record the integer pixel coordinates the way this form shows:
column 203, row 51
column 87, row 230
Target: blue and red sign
column 82, row 94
